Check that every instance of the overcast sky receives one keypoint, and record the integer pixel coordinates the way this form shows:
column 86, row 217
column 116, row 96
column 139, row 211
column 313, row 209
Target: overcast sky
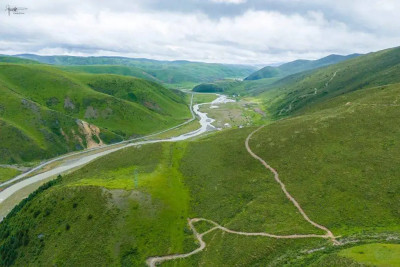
column 226, row 31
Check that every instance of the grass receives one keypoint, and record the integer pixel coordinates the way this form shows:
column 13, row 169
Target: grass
column 238, row 114
column 251, row 87
column 187, row 128
column 203, row 98
column 110, row 69
column 346, row 155
column 297, row 91
column 131, row 222
column 7, row 173
column 41, row 104
column 384, row 255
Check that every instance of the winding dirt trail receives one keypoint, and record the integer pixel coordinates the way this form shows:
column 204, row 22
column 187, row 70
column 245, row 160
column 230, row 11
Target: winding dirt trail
column 153, row 261
column 283, row 187
column 289, row 108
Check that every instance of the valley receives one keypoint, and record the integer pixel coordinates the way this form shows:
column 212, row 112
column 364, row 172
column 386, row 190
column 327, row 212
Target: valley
column 300, row 170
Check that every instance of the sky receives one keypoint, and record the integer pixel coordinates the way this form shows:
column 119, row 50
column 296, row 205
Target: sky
column 224, row 31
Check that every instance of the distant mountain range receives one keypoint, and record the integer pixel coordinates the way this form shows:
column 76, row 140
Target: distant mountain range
column 169, row 72
column 297, row 66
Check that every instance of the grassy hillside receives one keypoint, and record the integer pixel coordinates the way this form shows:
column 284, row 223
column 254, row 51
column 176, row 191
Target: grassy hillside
column 111, row 69
column 339, row 160
column 273, row 77
column 16, row 60
column 42, row 107
column 237, row 87
column 300, row 90
column 170, row 72
column 297, row 66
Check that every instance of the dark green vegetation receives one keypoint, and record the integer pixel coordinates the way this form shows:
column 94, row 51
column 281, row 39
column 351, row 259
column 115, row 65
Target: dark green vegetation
column 41, row 108
column 183, row 73
column 297, row 66
column 207, row 88
column 15, row 237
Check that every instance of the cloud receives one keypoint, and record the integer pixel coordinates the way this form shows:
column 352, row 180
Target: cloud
column 236, row 2
column 260, row 31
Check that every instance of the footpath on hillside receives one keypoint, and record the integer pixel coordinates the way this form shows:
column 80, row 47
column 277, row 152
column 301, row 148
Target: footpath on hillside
column 153, row 261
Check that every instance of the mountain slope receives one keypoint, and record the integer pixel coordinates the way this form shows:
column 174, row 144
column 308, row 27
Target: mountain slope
column 299, row 90
column 111, row 69
column 297, row 66
column 170, row 72
column 16, row 60
column 48, row 109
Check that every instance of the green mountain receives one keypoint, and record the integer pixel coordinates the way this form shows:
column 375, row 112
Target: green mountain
column 16, row 60
column 46, row 112
column 170, row 72
column 297, row 91
column 337, row 154
column 297, row 66
column 111, row 69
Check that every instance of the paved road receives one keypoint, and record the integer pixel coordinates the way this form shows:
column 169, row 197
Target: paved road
column 80, row 158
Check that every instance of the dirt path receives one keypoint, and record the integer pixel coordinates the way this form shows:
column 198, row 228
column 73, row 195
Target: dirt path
column 289, row 108
column 153, row 261
column 283, row 187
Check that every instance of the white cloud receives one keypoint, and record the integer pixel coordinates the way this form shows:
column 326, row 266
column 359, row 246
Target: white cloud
column 236, row 2
column 254, row 36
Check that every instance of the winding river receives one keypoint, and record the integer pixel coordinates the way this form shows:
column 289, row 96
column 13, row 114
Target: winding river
column 81, row 158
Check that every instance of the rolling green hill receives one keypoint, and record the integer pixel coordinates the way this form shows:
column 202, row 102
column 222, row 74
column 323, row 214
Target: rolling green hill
column 170, row 72
column 297, row 66
column 16, row 60
column 42, row 109
column 110, row 69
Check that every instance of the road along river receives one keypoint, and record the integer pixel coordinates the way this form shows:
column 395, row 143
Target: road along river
column 81, row 158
